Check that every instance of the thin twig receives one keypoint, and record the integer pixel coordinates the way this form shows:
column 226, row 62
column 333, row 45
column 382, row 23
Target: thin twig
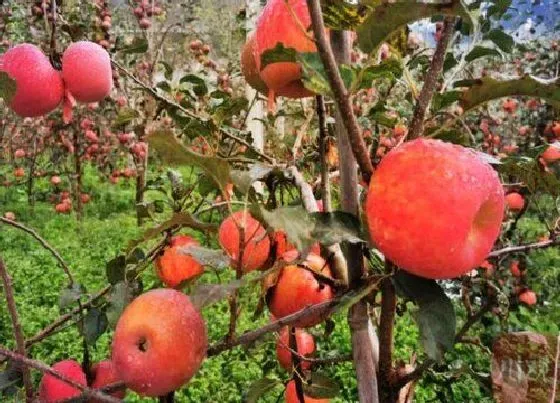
column 44, row 368
column 16, row 325
column 341, row 94
column 524, row 248
column 44, row 244
column 428, row 89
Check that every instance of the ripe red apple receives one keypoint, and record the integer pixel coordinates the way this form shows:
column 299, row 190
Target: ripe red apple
column 39, row 86
column 86, row 69
column 256, row 241
column 551, row 154
column 53, row 390
column 19, row 172
column 174, row 267
column 104, row 374
column 514, row 268
column 249, row 67
column 509, row 105
column 291, row 396
column 85, row 198
column 528, row 297
column 434, row 208
column 298, row 288
column 159, row 343
column 515, row 202
column 19, row 153
column 55, row 180
column 305, row 347
column 283, row 22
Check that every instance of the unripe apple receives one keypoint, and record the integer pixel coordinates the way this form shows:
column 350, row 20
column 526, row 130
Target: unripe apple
column 86, row 70
column 53, row 390
column 305, row 347
column 39, row 87
column 515, row 202
column 297, row 288
column 255, row 240
column 174, row 267
column 434, row 208
column 104, row 374
column 290, row 395
column 159, row 343
column 528, row 297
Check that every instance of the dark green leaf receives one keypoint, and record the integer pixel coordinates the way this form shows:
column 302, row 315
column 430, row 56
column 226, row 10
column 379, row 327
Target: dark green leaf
column 7, row 87
column 530, row 172
column 95, row 323
column 278, row 54
column 138, row 45
column 449, row 61
column 501, row 39
column 208, row 257
column 342, row 16
column 70, row 294
column 168, row 70
column 125, row 116
column 259, row 388
column 198, row 84
column 335, row 227
column 295, row 222
column 243, row 180
column 442, row 101
column 480, row 51
column 164, row 85
column 115, row 269
column 207, row 294
column 119, row 297
column 321, row 387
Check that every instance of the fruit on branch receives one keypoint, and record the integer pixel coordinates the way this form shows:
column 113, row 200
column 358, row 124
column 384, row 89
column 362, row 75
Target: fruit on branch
column 528, row 297
column 249, row 67
column 65, row 207
column 298, row 287
column 53, row 390
column 284, row 22
column 19, row 153
column 10, row 215
column 551, row 154
column 55, row 180
column 255, row 242
column 104, row 374
column 174, row 267
column 509, row 105
column 19, row 172
column 514, row 268
column 434, row 208
column 86, row 70
column 290, row 395
column 159, row 343
column 39, row 87
column 515, row 202
column 85, row 198
column 305, row 347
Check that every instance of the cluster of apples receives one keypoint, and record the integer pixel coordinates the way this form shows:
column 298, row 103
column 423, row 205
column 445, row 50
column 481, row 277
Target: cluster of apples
column 144, row 10
column 85, row 77
column 201, row 51
column 286, row 22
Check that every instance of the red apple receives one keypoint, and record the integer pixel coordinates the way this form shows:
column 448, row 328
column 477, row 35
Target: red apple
column 159, row 343
column 55, row 180
column 434, row 208
column 53, row 390
column 305, row 347
column 297, row 288
column 552, row 153
column 514, row 268
column 291, row 396
column 174, row 267
column 256, row 241
column 528, row 297
column 104, row 374
column 515, row 202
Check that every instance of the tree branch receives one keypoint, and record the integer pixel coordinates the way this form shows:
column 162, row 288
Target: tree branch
column 45, row 369
column 525, row 248
column 428, row 89
column 44, row 244
column 341, row 95
column 325, row 183
column 16, row 325
column 386, row 330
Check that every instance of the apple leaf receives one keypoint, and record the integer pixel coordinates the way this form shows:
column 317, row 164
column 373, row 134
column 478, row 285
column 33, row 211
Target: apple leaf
column 524, row 367
column 320, row 386
column 207, row 294
column 115, row 269
column 530, row 172
column 70, row 294
column 260, row 388
column 119, row 297
column 138, row 45
column 343, row 16
column 10, row 379
column 482, row 90
column 215, row 258
column 243, row 180
column 124, row 117
column 173, row 152
column 314, row 76
column 501, row 39
column 481, row 51
column 8, row 87
column 94, row 324
column 390, row 16
column 336, row 227
column 294, row 221
column 435, row 316
column 278, row 54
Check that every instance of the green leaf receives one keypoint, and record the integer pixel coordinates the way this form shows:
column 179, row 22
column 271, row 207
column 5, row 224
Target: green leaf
column 115, row 269
column 8, row 87
column 501, row 39
column 336, row 227
column 321, row 387
column 168, row 70
column 125, row 116
column 138, row 45
column 390, row 16
column 207, row 294
column 436, row 315
column 95, row 323
column 70, row 294
column 530, row 172
column 198, row 84
column 278, row 54
column 119, row 297
column 295, row 222
column 259, row 388
column 390, row 69
column 486, row 89
column 343, row 16
column 449, row 61
column 215, row 258
column 173, row 152
column 164, row 85
column 480, row 51
column 442, row 101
